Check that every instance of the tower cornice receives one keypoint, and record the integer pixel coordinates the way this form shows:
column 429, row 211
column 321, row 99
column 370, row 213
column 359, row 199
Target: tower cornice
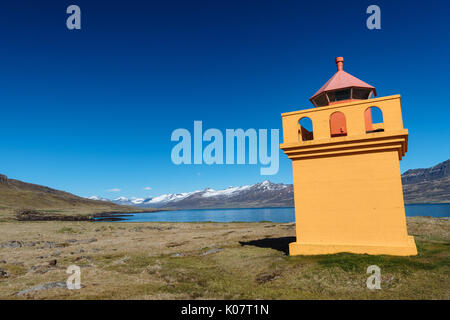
column 343, row 105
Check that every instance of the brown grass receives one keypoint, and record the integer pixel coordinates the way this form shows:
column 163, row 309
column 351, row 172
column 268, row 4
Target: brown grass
column 178, row 261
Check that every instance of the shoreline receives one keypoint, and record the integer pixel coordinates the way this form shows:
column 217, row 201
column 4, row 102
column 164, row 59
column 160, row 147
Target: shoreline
column 32, row 215
column 115, row 216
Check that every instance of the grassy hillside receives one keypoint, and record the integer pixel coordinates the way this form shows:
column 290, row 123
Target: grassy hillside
column 16, row 195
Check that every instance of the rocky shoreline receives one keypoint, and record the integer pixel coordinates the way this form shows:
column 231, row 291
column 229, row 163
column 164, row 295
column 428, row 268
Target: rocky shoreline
column 110, row 216
column 33, row 215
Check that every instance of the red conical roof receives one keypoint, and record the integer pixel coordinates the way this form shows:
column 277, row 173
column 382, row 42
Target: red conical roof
column 342, row 80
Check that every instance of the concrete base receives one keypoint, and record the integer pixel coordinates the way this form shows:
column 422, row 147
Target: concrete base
column 299, row 248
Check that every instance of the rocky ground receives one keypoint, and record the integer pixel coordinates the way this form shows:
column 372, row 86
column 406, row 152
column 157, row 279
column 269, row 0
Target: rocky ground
column 208, row 261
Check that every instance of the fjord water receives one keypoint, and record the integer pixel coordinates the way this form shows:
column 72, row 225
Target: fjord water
column 260, row 214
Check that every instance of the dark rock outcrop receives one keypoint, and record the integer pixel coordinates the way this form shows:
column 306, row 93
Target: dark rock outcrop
column 431, row 185
column 439, row 171
column 3, row 179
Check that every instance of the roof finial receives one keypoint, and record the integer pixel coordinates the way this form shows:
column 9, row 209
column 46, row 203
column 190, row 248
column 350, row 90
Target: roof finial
column 340, row 63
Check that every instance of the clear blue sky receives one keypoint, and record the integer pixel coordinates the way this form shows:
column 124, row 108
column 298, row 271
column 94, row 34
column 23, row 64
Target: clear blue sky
column 91, row 110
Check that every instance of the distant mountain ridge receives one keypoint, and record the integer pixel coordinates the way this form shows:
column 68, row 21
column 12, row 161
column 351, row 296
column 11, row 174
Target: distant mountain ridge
column 430, row 185
column 439, row 171
column 263, row 194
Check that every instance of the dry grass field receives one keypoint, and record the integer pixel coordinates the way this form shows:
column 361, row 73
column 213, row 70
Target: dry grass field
column 209, row 261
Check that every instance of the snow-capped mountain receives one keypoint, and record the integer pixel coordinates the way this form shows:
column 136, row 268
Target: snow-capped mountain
column 98, row 198
column 129, row 201
column 263, row 194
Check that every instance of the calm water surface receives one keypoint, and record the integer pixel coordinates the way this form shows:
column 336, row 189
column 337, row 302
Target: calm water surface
column 261, row 214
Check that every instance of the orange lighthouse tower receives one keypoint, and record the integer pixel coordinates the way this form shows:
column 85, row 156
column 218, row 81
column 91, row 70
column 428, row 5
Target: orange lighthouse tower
column 347, row 183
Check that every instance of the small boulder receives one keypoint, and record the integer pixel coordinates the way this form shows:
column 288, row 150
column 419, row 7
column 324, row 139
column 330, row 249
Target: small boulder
column 4, row 273
column 87, row 240
column 49, row 245
column 178, row 254
column 86, row 258
column 39, row 269
column 46, row 286
column 11, row 244
column 56, row 253
column 215, row 250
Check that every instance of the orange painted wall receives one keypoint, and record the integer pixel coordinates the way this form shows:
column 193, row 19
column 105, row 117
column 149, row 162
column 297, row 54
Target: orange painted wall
column 347, row 189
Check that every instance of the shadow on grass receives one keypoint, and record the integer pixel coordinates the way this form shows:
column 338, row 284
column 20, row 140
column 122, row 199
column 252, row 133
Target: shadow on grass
column 280, row 244
column 431, row 256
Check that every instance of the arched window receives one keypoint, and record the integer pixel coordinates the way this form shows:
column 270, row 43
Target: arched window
column 338, row 126
column 373, row 118
column 305, row 130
